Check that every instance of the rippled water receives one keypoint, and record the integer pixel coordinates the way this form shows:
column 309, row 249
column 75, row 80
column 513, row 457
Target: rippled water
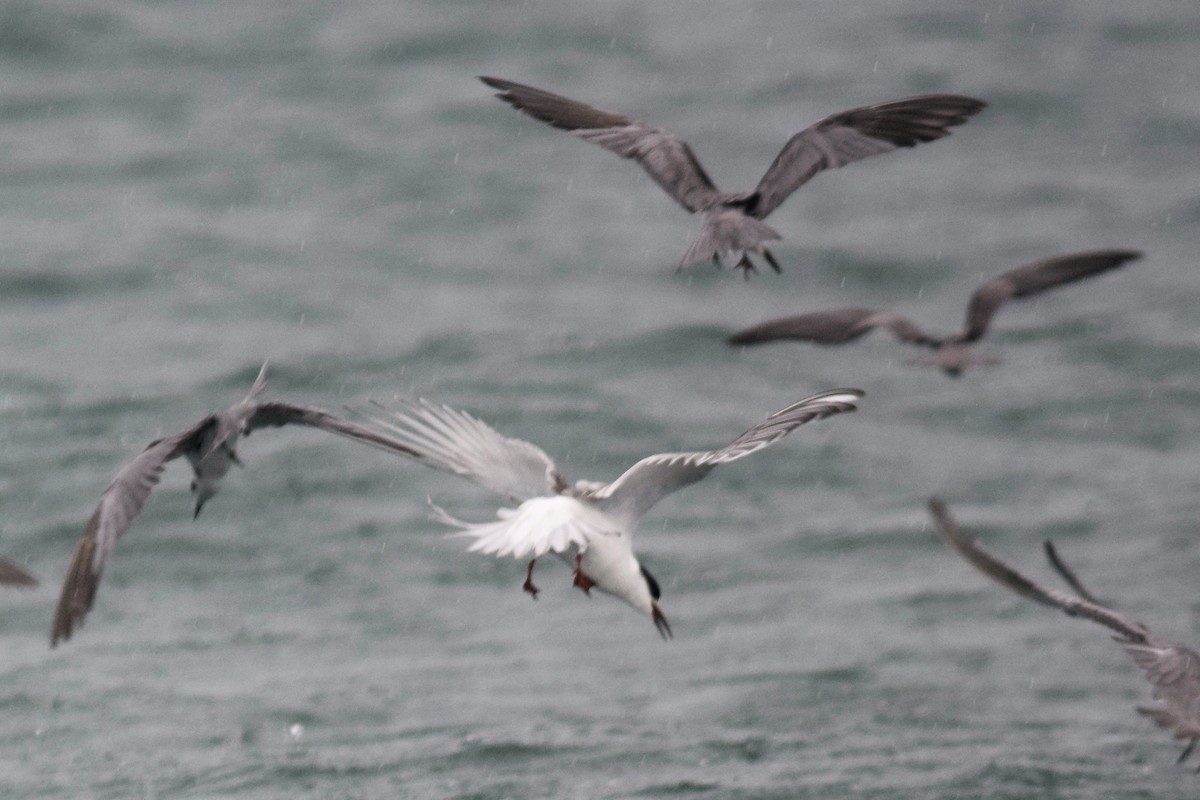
column 191, row 188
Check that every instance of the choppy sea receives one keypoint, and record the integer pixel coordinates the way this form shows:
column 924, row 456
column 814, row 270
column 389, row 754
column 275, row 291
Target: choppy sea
column 189, row 189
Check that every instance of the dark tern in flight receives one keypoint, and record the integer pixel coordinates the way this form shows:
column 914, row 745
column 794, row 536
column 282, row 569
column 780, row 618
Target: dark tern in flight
column 1172, row 669
column 733, row 221
column 952, row 353
column 210, row 446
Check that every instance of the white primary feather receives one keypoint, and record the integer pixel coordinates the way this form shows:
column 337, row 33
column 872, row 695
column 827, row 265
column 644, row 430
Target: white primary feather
column 653, row 478
column 454, row 441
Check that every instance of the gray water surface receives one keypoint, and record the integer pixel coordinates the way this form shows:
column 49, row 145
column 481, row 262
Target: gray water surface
column 187, row 189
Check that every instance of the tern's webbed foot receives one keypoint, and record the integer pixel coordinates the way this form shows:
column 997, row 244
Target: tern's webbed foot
column 584, row 583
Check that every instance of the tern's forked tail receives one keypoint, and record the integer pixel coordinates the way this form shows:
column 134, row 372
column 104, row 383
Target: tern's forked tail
column 727, row 231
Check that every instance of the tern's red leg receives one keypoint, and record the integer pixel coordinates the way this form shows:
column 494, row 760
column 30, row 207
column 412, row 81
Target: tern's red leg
column 528, row 585
column 582, row 581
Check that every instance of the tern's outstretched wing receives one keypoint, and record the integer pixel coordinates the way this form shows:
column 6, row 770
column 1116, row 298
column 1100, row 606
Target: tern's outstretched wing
column 249, row 415
column 454, row 441
column 1066, row 573
column 1002, row 573
column 835, row 326
column 854, row 135
column 1033, row 279
column 667, row 159
column 12, row 575
column 277, row 413
column 120, row 504
column 1173, row 670
column 1174, row 674
column 653, row 478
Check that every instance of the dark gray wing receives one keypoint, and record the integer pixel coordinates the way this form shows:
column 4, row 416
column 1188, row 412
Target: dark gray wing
column 276, row 414
column 120, row 504
column 249, row 415
column 653, row 478
column 1002, row 573
column 857, row 134
column 1033, row 279
column 666, row 158
column 835, row 326
column 12, row 575
column 1066, row 573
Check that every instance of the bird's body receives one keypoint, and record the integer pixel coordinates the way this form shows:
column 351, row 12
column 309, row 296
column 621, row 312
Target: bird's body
column 210, row 446
column 596, row 543
column 589, row 525
column 1172, row 669
column 953, row 358
column 732, row 222
column 215, row 450
column 952, row 353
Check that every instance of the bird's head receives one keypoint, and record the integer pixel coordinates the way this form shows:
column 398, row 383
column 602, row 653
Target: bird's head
column 202, row 492
column 656, row 614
